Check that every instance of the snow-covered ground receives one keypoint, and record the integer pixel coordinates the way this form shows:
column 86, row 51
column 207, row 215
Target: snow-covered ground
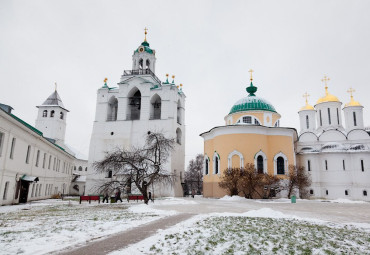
column 51, row 225
column 230, row 225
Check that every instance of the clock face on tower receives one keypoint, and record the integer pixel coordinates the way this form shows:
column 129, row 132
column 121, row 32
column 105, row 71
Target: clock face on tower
column 141, row 49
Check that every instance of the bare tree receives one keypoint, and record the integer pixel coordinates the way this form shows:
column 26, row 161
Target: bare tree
column 194, row 173
column 229, row 180
column 270, row 185
column 141, row 166
column 250, row 182
column 303, row 182
column 297, row 179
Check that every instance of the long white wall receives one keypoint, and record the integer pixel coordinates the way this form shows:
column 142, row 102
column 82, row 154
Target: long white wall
column 53, row 177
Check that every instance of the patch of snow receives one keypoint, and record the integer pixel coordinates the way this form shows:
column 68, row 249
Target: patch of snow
column 346, row 201
column 173, row 201
column 233, row 198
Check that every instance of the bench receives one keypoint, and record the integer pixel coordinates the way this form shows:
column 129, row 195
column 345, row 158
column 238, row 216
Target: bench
column 135, row 197
column 89, row 198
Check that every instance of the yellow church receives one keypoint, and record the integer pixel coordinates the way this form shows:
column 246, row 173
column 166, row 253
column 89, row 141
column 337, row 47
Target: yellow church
column 252, row 134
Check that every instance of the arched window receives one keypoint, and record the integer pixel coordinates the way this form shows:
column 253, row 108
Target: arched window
column 141, row 63
column 307, row 122
column 80, row 168
column 260, row 164
column 280, row 165
column 235, row 159
column 75, row 168
column 206, row 166
column 86, row 169
column 364, row 193
column 61, row 115
column 329, row 117
column 134, row 105
column 320, row 117
column 179, row 117
column 155, row 107
column 45, row 113
column 216, row 163
column 147, row 64
column 354, row 119
column 52, row 113
column 112, row 109
column 178, row 135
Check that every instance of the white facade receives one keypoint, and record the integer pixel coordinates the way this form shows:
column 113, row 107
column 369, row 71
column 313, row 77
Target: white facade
column 139, row 104
column 31, row 166
column 337, row 158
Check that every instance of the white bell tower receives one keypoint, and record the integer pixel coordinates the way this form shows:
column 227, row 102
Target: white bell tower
column 51, row 118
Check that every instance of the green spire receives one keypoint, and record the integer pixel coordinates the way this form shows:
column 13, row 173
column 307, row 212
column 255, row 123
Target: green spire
column 251, row 90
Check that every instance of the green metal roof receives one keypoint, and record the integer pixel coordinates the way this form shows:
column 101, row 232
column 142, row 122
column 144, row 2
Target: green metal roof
column 145, row 44
column 252, row 102
column 26, row 124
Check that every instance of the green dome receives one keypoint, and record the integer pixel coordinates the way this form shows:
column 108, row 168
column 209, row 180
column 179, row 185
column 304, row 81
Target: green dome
column 252, row 102
column 145, row 46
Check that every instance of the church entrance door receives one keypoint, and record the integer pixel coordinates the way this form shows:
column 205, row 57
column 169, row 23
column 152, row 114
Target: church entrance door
column 24, row 191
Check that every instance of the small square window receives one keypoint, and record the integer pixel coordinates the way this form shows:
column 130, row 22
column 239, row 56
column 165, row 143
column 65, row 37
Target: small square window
column 311, row 191
column 364, row 193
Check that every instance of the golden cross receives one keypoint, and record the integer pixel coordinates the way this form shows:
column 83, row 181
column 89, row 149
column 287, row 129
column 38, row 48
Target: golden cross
column 306, row 95
column 55, row 86
column 325, row 80
column 105, row 80
column 251, row 71
column 351, row 90
column 145, row 29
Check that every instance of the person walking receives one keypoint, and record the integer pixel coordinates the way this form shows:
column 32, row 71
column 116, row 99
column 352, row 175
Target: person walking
column 118, row 195
column 150, row 196
column 105, row 196
column 193, row 193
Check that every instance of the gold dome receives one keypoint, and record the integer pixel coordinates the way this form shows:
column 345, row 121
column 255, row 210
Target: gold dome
column 307, row 107
column 352, row 102
column 327, row 98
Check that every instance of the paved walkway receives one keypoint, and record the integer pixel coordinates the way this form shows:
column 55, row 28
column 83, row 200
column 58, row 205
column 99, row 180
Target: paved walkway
column 123, row 239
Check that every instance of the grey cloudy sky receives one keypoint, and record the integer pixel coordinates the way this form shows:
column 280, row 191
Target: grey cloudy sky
column 208, row 45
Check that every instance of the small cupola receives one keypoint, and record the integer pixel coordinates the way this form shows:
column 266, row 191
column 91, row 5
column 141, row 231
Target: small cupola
column 144, row 57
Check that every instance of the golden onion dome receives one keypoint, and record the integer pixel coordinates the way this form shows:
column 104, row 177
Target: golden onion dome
column 307, row 107
column 328, row 97
column 352, row 102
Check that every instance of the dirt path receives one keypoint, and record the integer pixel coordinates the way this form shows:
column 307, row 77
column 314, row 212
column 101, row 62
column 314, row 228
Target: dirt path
column 123, row 239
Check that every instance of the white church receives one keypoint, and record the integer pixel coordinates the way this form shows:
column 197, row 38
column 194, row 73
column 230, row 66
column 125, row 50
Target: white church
column 336, row 155
column 124, row 115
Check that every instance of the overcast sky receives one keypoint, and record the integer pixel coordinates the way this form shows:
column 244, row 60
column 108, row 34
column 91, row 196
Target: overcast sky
column 208, row 45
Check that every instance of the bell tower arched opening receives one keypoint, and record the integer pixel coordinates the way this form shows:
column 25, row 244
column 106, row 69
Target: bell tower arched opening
column 134, row 105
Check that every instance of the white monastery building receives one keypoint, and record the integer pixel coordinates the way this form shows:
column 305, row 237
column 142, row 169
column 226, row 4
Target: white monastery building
column 336, row 155
column 124, row 115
